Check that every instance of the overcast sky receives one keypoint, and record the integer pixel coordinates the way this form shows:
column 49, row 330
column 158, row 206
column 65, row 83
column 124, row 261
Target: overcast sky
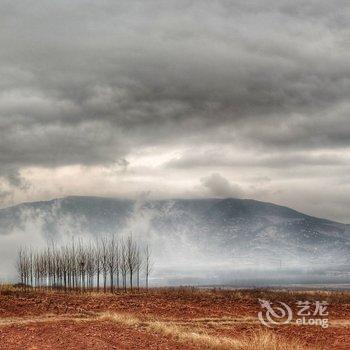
column 247, row 99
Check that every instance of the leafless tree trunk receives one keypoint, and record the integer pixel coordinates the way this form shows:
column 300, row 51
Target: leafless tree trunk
column 79, row 265
column 138, row 266
column 148, row 264
column 98, row 263
column 123, row 264
column 131, row 259
column 111, row 261
column 104, row 262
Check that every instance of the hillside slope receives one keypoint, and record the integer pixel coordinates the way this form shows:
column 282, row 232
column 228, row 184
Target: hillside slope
column 216, row 231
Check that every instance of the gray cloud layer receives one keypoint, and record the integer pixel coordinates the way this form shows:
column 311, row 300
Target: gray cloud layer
column 89, row 83
column 218, row 186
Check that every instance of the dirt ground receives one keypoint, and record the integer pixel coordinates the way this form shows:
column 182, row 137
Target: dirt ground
column 182, row 318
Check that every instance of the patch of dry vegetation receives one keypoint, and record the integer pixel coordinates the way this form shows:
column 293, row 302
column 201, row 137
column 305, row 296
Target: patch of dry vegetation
column 189, row 293
column 7, row 289
column 193, row 293
column 262, row 340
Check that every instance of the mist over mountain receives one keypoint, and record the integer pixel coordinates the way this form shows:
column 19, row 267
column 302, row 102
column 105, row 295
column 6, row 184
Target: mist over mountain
column 194, row 237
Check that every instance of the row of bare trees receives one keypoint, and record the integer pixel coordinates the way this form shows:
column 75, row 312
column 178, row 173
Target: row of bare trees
column 106, row 264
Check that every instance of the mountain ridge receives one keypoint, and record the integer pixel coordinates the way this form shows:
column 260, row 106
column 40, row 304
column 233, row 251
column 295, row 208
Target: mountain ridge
column 54, row 200
column 207, row 230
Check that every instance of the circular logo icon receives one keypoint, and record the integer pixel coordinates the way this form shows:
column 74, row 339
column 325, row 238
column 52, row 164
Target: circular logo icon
column 274, row 314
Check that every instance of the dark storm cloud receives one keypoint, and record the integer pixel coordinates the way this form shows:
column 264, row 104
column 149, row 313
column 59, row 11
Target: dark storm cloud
column 87, row 82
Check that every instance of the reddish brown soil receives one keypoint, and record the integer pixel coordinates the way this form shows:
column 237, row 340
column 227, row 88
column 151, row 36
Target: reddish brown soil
column 158, row 303
column 83, row 335
column 213, row 312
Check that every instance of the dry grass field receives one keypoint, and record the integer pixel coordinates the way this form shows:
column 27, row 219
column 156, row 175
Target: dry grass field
column 179, row 318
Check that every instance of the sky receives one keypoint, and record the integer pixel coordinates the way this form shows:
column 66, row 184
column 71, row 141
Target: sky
column 177, row 99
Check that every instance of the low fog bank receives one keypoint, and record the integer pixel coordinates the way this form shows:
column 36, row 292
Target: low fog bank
column 254, row 278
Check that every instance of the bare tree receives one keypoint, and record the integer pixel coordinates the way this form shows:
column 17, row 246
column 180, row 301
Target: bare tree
column 79, row 265
column 90, row 266
column 22, row 266
column 111, row 261
column 104, row 261
column 148, row 264
column 98, row 266
column 131, row 258
column 138, row 265
column 123, row 263
column 117, row 262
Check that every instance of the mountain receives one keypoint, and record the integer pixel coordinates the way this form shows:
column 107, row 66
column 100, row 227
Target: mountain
column 240, row 233
column 193, row 241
